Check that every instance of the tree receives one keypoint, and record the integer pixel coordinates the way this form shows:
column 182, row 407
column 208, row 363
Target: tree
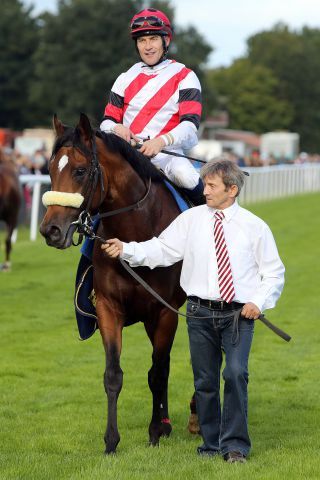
column 249, row 94
column 18, row 41
column 82, row 50
column 293, row 57
column 189, row 47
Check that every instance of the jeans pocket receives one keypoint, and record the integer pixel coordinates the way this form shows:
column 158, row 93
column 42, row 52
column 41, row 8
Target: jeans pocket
column 246, row 323
column 192, row 308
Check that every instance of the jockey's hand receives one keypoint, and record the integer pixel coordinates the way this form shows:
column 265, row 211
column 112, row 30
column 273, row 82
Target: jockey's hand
column 125, row 133
column 152, row 147
column 250, row 311
column 113, row 247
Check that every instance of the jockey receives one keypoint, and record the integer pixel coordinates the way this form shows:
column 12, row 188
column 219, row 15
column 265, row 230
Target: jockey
column 158, row 102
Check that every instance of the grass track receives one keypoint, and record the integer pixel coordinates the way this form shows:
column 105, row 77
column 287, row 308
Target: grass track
column 53, row 406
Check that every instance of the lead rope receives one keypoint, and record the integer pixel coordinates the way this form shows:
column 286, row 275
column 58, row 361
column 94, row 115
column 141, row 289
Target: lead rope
column 89, row 233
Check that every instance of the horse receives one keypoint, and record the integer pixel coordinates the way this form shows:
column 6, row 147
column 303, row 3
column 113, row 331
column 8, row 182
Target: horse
column 92, row 172
column 10, row 201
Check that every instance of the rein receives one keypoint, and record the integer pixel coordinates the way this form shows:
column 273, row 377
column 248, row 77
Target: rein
column 174, row 154
column 84, row 222
column 134, row 206
column 89, row 188
column 84, row 226
column 88, row 231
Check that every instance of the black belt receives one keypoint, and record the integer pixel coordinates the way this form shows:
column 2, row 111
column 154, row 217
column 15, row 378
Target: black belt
column 216, row 304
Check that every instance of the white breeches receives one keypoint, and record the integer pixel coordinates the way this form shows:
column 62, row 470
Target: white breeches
column 178, row 169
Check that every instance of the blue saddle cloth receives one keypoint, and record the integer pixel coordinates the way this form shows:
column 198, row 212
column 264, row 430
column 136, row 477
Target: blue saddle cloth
column 84, row 298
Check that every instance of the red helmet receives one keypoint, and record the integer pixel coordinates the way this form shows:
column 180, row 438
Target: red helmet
column 150, row 22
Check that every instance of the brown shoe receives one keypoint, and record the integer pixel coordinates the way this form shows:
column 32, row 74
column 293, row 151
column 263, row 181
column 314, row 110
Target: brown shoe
column 193, row 424
column 233, row 457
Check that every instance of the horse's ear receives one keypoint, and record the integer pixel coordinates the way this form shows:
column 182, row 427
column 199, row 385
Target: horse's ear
column 58, row 126
column 84, row 127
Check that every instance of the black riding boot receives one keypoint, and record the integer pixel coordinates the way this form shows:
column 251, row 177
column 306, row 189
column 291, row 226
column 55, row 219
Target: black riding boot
column 195, row 196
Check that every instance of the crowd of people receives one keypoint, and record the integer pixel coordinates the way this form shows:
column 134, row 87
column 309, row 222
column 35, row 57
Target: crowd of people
column 37, row 163
column 255, row 159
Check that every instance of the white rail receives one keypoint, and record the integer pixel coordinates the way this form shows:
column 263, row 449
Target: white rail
column 35, row 181
column 264, row 183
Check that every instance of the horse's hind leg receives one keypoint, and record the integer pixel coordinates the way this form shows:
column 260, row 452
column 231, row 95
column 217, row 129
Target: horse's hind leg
column 193, row 423
column 162, row 338
column 6, row 265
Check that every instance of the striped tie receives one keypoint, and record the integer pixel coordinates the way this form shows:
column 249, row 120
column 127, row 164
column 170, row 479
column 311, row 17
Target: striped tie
column 224, row 269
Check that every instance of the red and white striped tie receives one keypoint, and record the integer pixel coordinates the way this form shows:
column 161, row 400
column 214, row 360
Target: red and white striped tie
column 224, row 269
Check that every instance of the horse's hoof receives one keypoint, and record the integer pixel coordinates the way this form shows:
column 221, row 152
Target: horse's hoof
column 5, row 267
column 110, row 451
column 193, row 424
column 111, row 442
column 166, row 427
column 154, row 442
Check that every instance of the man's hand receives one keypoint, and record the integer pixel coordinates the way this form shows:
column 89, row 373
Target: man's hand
column 250, row 311
column 113, row 247
column 125, row 133
column 151, row 148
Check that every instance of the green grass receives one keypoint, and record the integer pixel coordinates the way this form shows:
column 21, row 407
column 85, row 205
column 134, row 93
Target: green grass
column 53, row 405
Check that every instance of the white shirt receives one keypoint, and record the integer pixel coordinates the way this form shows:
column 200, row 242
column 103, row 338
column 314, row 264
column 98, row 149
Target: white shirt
column 257, row 270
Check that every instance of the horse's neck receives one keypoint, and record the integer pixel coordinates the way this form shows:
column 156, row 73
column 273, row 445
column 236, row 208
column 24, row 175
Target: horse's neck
column 126, row 188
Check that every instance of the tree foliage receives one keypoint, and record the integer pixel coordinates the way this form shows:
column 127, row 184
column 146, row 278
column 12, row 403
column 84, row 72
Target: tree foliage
column 275, row 86
column 18, row 41
column 66, row 63
column 83, row 49
column 294, row 59
column 249, row 93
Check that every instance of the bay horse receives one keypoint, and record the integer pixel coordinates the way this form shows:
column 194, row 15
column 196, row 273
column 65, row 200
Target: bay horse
column 107, row 174
column 10, row 201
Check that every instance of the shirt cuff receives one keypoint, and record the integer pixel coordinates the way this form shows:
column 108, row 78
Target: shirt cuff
column 108, row 126
column 128, row 251
column 258, row 301
column 167, row 138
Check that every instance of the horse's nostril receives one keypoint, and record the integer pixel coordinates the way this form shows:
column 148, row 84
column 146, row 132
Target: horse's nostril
column 53, row 233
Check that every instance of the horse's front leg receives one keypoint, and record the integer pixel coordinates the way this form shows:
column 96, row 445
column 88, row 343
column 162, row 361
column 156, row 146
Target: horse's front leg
column 110, row 326
column 161, row 334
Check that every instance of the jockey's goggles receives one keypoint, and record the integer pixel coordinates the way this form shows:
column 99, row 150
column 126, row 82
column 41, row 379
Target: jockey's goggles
column 147, row 22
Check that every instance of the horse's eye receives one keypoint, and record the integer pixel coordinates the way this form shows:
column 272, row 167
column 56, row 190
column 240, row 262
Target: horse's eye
column 80, row 172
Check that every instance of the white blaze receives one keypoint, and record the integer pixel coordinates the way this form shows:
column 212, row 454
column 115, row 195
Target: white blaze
column 63, row 162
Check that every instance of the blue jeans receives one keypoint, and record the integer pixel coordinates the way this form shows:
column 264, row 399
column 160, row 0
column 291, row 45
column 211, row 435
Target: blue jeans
column 208, row 338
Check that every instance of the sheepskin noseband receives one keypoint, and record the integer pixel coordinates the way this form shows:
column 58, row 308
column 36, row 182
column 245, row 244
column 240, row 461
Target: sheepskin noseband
column 63, row 199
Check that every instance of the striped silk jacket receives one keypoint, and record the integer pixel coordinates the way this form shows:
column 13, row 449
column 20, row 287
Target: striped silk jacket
column 154, row 101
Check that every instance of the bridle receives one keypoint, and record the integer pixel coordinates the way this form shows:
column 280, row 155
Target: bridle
column 84, row 226
column 84, row 223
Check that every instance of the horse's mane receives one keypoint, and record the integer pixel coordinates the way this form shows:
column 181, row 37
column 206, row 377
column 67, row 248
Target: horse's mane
column 139, row 162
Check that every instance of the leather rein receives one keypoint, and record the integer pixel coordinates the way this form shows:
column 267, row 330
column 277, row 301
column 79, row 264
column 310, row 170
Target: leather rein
column 84, row 223
column 84, row 226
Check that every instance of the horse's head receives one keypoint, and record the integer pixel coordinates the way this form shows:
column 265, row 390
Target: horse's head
column 76, row 181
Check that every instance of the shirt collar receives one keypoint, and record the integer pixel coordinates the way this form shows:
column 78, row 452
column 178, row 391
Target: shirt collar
column 228, row 212
column 147, row 69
